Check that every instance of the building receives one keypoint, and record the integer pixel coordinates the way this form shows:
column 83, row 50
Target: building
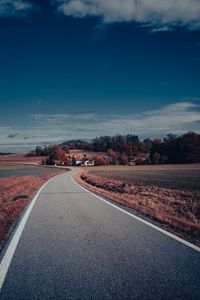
column 88, row 163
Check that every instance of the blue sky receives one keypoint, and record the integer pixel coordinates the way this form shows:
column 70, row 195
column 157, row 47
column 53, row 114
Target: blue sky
column 77, row 69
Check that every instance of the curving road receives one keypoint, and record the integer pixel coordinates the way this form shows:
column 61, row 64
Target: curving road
column 75, row 246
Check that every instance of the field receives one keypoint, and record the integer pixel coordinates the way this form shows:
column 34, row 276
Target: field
column 183, row 177
column 19, row 165
column 19, row 158
column 168, row 194
column 21, row 170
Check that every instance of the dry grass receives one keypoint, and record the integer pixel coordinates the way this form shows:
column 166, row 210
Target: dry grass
column 172, row 178
column 144, row 168
column 20, row 158
column 177, row 208
column 15, row 193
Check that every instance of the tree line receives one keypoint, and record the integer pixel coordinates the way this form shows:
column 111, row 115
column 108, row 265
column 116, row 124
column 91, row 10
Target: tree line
column 182, row 149
column 126, row 149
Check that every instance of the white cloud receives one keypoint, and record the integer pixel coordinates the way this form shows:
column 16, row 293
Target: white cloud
column 10, row 8
column 161, row 29
column 59, row 118
column 163, row 14
column 52, row 128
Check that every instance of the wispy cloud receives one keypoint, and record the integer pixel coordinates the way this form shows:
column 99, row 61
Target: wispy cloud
column 161, row 14
column 17, row 8
column 60, row 118
column 161, row 29
column 13, row 135
column 52, row 128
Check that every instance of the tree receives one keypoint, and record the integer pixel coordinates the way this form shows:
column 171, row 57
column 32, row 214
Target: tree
column 50, row 161
column 183, row 149
column 113, row 156
column 57, row 153
column 38, row 151
column 157, row 141
column 67, row 160
column 123, row 160
column 46, row 151
column 66, row 148
column 128, row 150
column 31, row 154
column 169, row 138
column 164, row 159
column 148, row 144
column 90, row 157
column 85, row 157
column 101, row 161
column 155, row 159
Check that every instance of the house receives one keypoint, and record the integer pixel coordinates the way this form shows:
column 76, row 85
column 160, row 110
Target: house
column 78, row 163
column 82, row 161
column 88, row 163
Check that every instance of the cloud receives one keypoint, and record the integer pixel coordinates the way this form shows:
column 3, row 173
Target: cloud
column 161, row 14
column 29, row 137
column 16, row 8
column 178, row 118
column 161, row 29
column 55, row 128
column 12, row 135
column 59, row 118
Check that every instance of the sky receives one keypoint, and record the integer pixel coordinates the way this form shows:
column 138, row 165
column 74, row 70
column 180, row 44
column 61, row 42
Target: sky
column 83, row 68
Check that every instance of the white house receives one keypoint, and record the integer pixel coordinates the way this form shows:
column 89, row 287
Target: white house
column 88, row 163
column 78, row 162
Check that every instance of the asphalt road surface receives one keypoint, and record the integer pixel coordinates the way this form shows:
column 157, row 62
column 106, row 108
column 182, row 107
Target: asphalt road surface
column 75, row 246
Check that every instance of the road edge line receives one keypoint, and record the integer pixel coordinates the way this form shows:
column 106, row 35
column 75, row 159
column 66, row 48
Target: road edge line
column 10, row 251
column 169, row 234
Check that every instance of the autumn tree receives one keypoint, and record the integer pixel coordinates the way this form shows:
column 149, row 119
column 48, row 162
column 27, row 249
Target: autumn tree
column 123, row 160
column 57, row 153
column 101, row 161
column 113, row 156
column 67, row 160
column 85, row 157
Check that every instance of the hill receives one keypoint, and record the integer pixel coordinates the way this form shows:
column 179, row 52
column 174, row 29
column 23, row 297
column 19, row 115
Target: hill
column 78, row 144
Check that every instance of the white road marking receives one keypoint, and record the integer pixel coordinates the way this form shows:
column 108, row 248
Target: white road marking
column 194, row 247
column 7, row 258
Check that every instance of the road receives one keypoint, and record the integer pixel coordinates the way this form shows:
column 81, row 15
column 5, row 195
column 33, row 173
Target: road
column 75, row 246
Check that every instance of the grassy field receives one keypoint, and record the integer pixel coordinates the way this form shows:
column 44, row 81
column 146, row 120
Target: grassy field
column 19, row 165
column 20, row 170
column 20, row 158
column 169, row 194
column 183, row 177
